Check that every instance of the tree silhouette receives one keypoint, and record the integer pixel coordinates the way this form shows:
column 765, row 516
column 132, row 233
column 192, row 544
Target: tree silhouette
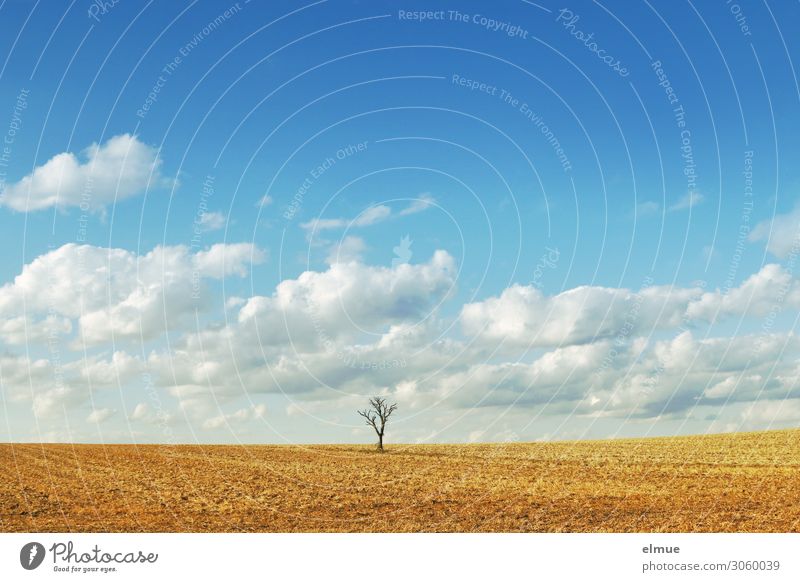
column 377, row 416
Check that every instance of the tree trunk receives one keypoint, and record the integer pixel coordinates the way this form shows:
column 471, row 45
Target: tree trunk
column 380, row 442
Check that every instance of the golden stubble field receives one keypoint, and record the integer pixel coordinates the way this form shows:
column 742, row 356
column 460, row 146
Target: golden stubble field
column 721, row 483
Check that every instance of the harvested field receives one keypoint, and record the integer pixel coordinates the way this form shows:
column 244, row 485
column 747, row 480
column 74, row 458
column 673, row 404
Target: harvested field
column 747, row 482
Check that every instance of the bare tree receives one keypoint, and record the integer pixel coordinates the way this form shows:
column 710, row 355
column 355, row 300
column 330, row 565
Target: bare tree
column 377, row 416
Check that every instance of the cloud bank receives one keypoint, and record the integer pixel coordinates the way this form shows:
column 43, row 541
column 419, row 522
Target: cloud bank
column 104, row 174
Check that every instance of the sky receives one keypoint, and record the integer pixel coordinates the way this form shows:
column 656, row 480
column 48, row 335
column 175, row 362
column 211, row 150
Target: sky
column 237, row 222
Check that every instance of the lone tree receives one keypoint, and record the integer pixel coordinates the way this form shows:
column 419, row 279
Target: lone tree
column 377, row 416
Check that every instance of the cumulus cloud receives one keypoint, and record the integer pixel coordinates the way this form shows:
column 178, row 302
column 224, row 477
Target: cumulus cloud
column 728, row 387
column 347, row 250
column 560, row 375
column 141, row 412
column 99, row 415
column 675, row 375
column 115, row 293
column 120, row 168
column 350, row 297
column 241, row 416
column 56, row 398
column 328, row 338
column 782, row 233
column 100, row 372
column 146, row 414
column 54, row 388
column 770, row 414
column 523, row 316
column 224, row 260
column 211, row 221
column 638, row 379
column 296, row 339
column 592, row 358
column 24, row 330
column 757, row 295
column 56, row 402
column 22, row 377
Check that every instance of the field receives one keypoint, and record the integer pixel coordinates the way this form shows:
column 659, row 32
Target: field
column 719, row 483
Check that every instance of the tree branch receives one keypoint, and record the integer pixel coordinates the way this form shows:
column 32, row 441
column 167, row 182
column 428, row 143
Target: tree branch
column 380, row 411
column 371, row 419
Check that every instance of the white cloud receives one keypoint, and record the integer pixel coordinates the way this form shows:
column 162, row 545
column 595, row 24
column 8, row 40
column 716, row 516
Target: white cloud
column 55, row 388
column 141, row 412
column 22, row 377
column 57, row 401
column 771, row 414
column 99, row 415
column 328, row 338
column 234, row 302
column 423, row 202
column 120, row 168
column 99, row 372
column 347, row 250
column 728, row 387
column 224, row 260
column 350, row 297
column 241, row 416
column 782, row 233
column 689, row 200
column 211, row 221
column 297, row 340
column 24, row 330
column 756, row 296
column 522, row 316
column 265, row 200
column 289, row 340
column 561, row 375
column 672, row 376
column 117, row 293
column 144, row 413
column 372, row 215
column 638, row 379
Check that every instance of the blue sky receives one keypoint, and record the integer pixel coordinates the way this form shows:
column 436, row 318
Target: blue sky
column 204, row 209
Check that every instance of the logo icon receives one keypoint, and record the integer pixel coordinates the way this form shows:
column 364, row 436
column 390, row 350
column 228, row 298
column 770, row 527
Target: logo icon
column 31, row 555
column 402, row 252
